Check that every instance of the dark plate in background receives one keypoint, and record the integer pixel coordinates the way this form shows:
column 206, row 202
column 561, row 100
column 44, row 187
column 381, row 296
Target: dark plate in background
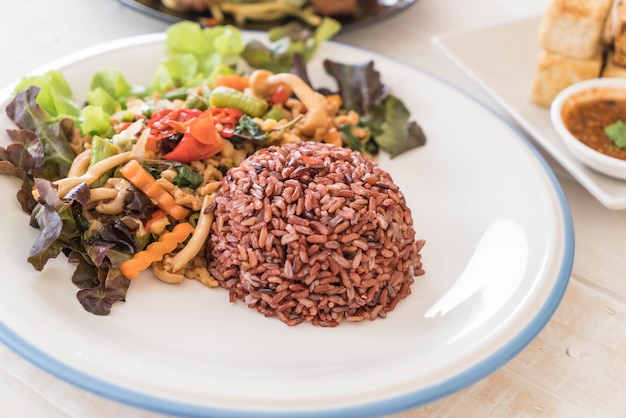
column 369, row 11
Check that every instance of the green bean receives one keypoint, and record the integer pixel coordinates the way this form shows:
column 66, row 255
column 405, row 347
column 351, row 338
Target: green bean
column 196, row 101
column 226, row 97
column 193, row 219
column 100, row 150
column 179, row 93
column 275, row 113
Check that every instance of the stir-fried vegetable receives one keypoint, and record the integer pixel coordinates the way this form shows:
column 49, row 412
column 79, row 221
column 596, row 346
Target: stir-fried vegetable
column 156, row 251
column 184, row 135
column 119, row 184
column 233, row 81
column 141, row 179
column 227, row 97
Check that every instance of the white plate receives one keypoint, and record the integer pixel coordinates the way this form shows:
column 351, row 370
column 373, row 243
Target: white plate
column 498, row 256
column 502, row 60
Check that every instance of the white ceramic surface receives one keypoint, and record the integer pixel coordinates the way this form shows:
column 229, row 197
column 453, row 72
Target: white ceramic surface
column 597, row 88
column 498, row 257
column 502, row 59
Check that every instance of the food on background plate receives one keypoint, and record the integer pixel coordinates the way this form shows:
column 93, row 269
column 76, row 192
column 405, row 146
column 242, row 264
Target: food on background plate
column 313, row 232
column 192, row 5
column 580, row 40
column 335, row 7
column 128, row 181
column 309, row 12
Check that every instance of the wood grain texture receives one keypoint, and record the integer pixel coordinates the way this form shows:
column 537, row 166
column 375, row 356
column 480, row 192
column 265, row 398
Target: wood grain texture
column 574, row 368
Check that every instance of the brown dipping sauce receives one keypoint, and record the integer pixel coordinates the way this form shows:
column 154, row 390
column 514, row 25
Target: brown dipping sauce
column 586, row 120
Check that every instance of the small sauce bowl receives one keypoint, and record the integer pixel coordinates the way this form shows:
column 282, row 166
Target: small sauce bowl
column 579, row 114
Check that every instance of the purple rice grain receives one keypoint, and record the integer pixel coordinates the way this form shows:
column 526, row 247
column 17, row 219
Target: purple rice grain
column 311, row 232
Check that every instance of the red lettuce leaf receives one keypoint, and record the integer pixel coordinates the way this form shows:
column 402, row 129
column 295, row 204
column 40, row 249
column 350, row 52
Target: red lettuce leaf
column 33, row 145
column 80, row 194
column 54, row 137
column 25, row 196
column 112, row 288
column 137, row 204
column 46, row 246
column 116, row 235
column 17, row 161
column 98, row 277
column 85, row 275
column 397, row 132
column 55, row 218
column 48, row 194
column 363, row 91
column 360, row 86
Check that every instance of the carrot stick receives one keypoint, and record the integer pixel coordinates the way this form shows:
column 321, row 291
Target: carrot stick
column 234, row 81
column 156, row 251
column 141, row 179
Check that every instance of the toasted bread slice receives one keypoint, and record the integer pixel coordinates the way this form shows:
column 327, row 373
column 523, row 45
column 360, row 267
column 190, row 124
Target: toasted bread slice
column 574, row 28
column 556, row 72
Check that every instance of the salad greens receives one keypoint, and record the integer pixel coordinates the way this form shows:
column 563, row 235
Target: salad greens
column 287, row 41
column 55, row 96
column 363, row 91
column 52, row 127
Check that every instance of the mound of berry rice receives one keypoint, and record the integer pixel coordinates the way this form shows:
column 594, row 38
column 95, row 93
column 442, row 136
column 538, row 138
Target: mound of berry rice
column 313, row 232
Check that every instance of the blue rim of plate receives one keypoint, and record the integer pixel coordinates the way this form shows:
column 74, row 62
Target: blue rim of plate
column 385, row 407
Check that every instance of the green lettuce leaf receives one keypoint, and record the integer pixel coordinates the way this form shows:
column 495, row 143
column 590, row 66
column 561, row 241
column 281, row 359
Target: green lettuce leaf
column 113, row 82
column 101, row 98
column 196, row 54
column 56, row 97
column 108, row 94
column 94, row 120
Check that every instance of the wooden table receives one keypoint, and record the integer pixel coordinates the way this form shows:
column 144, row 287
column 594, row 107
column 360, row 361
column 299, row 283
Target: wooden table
column 576, row 367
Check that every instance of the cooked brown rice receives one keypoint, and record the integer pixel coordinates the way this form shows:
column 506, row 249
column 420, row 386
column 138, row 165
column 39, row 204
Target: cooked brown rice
column 313, row 232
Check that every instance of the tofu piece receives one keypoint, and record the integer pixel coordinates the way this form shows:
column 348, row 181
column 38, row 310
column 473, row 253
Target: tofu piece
column 611, row 69
column 619, row 34
column 574, row 28
column 556, row 72
column 609, row 25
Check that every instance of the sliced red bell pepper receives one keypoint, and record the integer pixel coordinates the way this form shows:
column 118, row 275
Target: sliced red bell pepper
column 190, row 149
column 281, row 95
column 156, row 215
column 200, row 139
column 227, row 117
column 165, row 122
